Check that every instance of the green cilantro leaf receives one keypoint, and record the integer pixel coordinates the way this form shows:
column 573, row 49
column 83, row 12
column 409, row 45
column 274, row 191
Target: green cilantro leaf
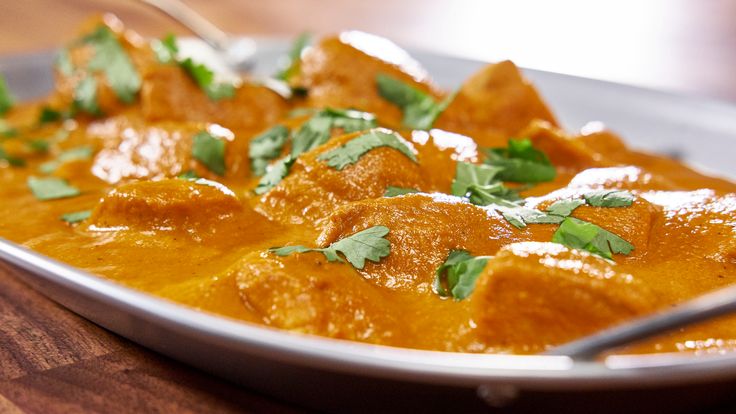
column 350, row 152
column 564, row 208
column 266, row 147
column 51, row 188
column 350, row 120
column 579, row 234
column 188, row 175
column 85, row 96
column 368, row 244
column 205, row 79
column 609, row 198
column 111, row 58
column 74, row 154
column 210, row 151
column 274, row 174
column 290, row 66
column 11, row 160
column 7, row 130
column 165, row 49
column 521, row 162
column 64, row 63
column 468, row 175
column 38, row 145
column 316, row 131
column 6, row 98
column 50, row 115
column 392, row 191
column 456, row 277
column 76, row 217
column 420, row 109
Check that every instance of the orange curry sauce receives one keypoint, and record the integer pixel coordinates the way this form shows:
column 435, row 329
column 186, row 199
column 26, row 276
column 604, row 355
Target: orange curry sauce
column 204, row 243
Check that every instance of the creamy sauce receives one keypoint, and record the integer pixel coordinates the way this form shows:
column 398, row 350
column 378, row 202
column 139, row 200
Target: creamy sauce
column 205, row 245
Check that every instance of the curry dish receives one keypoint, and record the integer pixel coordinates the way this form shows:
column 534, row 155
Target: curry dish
column 369, row 205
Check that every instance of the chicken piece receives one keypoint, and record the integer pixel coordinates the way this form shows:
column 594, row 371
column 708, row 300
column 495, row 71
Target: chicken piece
column 134, row 149
column 564, row 151
column 169, row 94
column 340, row 72
column 494, row 105
column 659, row 173
column 633, row 223
column 198, row 207
column 424, row 228
column 312, row 190
column 305, row 293
column 532, row 296
column 80, row 54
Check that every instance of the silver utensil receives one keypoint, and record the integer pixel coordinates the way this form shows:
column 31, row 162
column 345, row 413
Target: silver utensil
column 704, row 307
column 238, row 52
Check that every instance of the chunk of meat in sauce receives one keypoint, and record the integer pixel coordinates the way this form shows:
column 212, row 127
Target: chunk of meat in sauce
column 424, row 228
column 633, row 223
column 312, row 190
column 340, row 72
column 305, row 293
column 170, row 94
column 494, row 104
column 535, row 295
column 134, row 149
column 198, row 207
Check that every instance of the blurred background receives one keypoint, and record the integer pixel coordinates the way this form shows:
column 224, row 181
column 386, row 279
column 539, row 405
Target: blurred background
column 680, row 45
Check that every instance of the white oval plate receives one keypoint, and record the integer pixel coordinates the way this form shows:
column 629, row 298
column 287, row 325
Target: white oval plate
column 702, row 132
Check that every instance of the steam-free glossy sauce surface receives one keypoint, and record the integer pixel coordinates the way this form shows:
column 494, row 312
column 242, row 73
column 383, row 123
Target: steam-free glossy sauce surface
column 204, row 242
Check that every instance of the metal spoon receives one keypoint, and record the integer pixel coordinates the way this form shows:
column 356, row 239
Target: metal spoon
column 717, row 303
column 238, row 52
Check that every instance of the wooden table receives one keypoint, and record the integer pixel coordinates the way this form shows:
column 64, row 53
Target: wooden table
column 53, row 361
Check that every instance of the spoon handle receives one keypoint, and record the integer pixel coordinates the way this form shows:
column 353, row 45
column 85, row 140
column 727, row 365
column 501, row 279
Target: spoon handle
column 704, row 307
column 202, row 27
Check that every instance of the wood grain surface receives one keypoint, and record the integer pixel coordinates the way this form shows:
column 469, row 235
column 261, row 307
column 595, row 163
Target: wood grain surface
column 52, row 361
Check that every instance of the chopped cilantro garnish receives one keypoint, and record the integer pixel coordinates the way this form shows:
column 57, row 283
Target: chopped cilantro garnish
column 579, row 234
column 64, row 63
column 420, row 109
column 205, row 79
column 609, row 198
column 51, row 188
column 316, row 131
column 49, row 115
column 11, row 160
column 290, row 66
column 165, row 49
column 74, row 154
column 467, row 175
column 111, row 58
column 521, row 162
column 76, row 217
column 351, row 151
column 210, row 151
column 38, row 145
column 7, row 130
column 479, row 184
column 274, row 174
column 564, row 208
column 85, row 96
column 368, row 244
column 266, row 147
column 313, row 133
column 6, row 98
column 392, row 191
column 456, row 277
column 188, row 175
